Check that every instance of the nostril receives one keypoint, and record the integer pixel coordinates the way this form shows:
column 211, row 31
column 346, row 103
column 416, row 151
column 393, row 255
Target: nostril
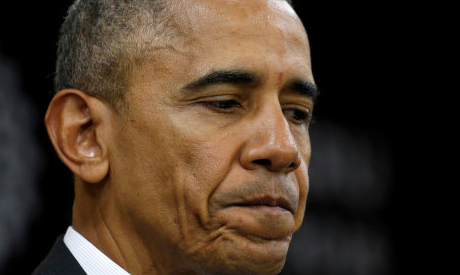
column 263, row 162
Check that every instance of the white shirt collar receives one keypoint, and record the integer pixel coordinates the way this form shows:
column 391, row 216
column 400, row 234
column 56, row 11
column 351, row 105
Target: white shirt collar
column 91, row 259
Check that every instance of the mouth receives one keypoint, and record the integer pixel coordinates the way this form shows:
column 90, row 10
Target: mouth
column 265, row 210
column 261, row 218
column 269, row 203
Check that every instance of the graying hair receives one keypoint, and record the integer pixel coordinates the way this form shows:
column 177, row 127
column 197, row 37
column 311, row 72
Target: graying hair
column 102, row 40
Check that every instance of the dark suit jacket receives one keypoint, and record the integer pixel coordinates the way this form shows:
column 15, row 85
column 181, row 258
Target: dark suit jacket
column 59, row 261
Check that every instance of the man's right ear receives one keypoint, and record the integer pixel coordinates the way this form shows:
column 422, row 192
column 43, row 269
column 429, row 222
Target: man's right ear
column 74, row 121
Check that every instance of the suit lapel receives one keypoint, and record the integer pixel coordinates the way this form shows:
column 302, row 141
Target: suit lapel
column 59, row 261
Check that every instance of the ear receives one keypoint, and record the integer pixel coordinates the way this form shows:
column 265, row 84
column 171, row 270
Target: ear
column 73, row 121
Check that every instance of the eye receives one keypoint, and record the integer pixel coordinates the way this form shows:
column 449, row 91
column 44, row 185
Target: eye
column 223, row 105
column 298, row 116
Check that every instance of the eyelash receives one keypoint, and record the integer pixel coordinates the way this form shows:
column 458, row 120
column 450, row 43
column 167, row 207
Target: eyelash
column 296, row 116
column 223, row 106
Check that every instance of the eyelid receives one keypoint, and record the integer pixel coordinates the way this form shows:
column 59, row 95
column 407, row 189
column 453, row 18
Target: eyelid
column 218, row 97
column 296, row 107
column 290, row 98
column 233, row 102
column 221, row 103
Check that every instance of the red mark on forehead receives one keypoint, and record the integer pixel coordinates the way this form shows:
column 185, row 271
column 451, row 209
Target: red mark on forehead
column 280, row 78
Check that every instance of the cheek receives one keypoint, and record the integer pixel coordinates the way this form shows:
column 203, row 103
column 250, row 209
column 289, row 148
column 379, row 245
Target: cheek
column 303, row 183
column 302, row 138
column 302, row 178
column 204, row 164
column 205, row 154
column 177, row 173
column 148, row 171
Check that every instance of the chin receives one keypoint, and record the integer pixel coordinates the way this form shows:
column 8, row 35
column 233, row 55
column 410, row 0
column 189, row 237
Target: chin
column 244, row 256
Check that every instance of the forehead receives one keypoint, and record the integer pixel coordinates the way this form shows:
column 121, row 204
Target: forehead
column 234, row 18
column 265, row 37
column 254, row 12
column 240, row 26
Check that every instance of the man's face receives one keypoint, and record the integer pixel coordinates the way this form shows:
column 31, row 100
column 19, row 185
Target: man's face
column 208, row 164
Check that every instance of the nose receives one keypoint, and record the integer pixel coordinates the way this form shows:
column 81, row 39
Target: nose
column 271, row 144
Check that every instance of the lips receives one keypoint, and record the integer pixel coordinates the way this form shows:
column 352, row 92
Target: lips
column 260, row 218
column 264, row 193
column 260, row 210
column 266, row 201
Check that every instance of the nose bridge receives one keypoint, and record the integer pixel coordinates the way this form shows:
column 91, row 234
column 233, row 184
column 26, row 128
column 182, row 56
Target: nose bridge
column 271, row 144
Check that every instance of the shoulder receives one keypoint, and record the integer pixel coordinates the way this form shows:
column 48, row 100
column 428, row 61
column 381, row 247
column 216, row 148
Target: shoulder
column 59, row 262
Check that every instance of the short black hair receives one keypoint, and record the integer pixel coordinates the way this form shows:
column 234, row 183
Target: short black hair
column 101, row 40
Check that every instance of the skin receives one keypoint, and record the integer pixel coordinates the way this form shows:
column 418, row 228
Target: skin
column 191, row 178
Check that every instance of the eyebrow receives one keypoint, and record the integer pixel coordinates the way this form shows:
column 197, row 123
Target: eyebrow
column 304, row 88
column 234, row 77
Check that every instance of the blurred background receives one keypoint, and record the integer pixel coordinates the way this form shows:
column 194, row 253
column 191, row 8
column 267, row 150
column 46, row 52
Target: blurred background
column 356, row 221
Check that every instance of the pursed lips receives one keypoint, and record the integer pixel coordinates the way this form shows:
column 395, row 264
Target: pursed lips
column 267, row 201
column 262, row 209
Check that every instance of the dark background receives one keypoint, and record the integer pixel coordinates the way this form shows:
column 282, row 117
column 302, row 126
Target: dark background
column 364, row 60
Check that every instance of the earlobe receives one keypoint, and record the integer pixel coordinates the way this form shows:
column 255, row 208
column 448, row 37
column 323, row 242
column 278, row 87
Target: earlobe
column 73, row 124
